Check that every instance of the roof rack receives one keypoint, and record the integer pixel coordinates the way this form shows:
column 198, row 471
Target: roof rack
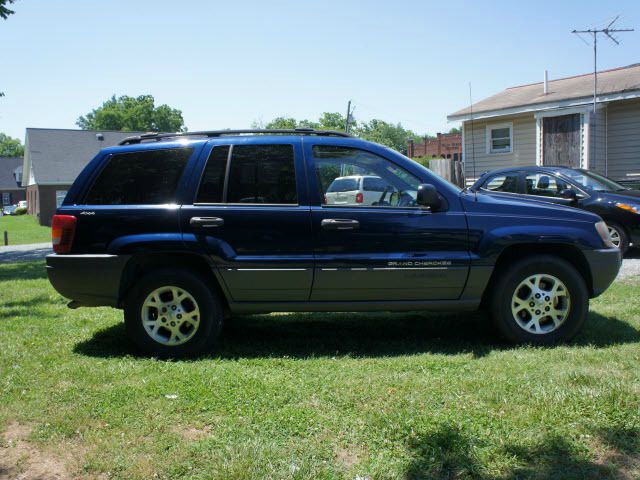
column 219, row 133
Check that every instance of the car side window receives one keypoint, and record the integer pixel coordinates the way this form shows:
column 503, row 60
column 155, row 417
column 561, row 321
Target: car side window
column 251, row 174
column 507, row 182
column 545, row 185
column 147, row 177
column 357, row 178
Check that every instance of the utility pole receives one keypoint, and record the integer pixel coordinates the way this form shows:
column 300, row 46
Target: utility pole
column 608, row 30
column 349, row 114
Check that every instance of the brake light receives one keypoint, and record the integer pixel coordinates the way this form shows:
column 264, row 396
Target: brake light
column 359, row 197
column 63, row 229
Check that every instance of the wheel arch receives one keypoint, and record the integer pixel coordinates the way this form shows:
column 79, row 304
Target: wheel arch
column 515, row 252
column 143, row 263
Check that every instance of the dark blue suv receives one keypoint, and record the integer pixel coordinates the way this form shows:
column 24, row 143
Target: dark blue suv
column 184, row 230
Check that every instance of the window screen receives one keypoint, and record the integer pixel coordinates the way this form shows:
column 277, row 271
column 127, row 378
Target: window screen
column 262, row 174
column 212, row 183
column 140, row 178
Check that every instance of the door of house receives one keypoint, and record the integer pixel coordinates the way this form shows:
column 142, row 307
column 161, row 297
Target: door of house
column 561, row 140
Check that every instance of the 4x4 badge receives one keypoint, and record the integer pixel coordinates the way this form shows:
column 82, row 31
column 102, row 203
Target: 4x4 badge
column 86, row 212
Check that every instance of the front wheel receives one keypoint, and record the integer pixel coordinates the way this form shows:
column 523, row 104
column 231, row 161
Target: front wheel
column 541, row 300
column 618, row 236
column 173, row 314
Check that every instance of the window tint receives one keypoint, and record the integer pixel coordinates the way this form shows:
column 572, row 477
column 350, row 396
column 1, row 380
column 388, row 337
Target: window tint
column 212, row 183
column 343, row 184
column 374, row 184
column 545, row 185
column 337, row 166
column 140, row 178
column 502, row 183
column 262, row 174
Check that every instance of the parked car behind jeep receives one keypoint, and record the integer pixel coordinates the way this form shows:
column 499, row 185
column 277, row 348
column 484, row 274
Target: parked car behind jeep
column 181, row 231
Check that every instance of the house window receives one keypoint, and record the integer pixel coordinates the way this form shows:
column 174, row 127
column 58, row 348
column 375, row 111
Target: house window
column 6, row 198
column 60, row 194
column 500, row 138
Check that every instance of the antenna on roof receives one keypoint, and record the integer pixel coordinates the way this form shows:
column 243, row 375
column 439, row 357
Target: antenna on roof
column 473, row 139
column 607, row 31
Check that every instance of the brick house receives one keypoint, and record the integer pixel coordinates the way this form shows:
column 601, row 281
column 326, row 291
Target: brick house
column 53, row 158
column 11, row 190
column 445, row 145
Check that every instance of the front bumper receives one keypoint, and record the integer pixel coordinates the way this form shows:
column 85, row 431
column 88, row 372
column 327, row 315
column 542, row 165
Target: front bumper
column 604, row 265
column 89, row 280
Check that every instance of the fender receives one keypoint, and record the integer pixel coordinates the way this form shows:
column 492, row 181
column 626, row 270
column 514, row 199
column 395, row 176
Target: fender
column 147, row 242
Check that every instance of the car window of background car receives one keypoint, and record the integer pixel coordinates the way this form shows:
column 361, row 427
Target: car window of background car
column 391, row 185
column 545, row 185
column 594, row 181
column 147, row 177
column 502, row 183
column 262, row 174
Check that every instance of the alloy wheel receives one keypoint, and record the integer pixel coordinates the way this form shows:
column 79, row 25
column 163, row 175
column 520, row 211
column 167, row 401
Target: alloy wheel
column 540, row 304
column 170, row 315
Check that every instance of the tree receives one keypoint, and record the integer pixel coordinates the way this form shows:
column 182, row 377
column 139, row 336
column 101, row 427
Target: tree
column 133, row 114
column 10, row 147
column 455, row 130
column 394, row 136
column 4, row 11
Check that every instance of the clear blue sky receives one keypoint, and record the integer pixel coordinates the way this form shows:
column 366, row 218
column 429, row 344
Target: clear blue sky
column 227, row 64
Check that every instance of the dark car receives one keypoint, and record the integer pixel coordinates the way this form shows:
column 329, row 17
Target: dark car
column 182, row 231
column 619, row 206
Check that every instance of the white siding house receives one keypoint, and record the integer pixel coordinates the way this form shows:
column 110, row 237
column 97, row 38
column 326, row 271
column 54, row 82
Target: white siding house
column 555, row 124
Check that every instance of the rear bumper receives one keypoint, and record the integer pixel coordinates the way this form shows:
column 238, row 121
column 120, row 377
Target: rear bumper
column 604, row 265
column 90, row 280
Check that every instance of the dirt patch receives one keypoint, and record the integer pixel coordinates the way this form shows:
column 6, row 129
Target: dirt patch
column 20, row 460
column 347, row 457
column 191, row 433
column 626, row 466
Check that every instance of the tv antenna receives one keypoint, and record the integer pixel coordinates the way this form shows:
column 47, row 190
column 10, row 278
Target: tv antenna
column 608, row 31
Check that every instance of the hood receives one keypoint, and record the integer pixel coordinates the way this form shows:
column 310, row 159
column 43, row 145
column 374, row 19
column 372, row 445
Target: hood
column 478, row 201
column 623, row 196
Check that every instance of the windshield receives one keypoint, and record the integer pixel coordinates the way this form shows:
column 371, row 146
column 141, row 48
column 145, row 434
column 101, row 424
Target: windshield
column 593, row 181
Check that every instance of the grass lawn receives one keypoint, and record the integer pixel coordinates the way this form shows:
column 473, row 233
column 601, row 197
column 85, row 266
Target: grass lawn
column 315, row 396
column 23, row 229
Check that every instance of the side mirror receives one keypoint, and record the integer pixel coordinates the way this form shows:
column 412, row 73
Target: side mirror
column 570, row 194
column 427, row 196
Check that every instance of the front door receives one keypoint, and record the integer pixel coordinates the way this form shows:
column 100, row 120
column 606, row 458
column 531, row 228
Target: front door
column 381, row 246
column 561, row 140
column 247, row 216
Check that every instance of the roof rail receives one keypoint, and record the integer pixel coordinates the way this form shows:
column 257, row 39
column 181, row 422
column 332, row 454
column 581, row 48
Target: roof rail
column 219, row 133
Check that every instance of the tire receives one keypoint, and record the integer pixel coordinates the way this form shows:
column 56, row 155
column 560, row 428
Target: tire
column 514, row 317
column 189, row 329
column 619, row 233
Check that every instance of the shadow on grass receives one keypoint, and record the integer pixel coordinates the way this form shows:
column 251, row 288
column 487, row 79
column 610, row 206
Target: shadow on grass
column 24, row 308
column 22, row 271
column 448, row 452
column 360, row 335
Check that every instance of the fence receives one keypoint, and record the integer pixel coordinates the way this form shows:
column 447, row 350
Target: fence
column 448, row 169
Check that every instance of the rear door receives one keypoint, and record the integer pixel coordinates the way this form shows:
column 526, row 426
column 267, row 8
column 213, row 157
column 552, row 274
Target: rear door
column 388, row 248
column 248, row 215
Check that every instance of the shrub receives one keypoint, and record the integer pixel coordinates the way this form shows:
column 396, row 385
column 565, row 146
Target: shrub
column 20, row 211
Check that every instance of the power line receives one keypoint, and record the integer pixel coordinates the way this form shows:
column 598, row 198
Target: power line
column 607, row 31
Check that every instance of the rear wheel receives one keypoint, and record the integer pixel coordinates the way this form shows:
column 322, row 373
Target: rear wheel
column 540, row 300
column 618, row 236
column 173, row 313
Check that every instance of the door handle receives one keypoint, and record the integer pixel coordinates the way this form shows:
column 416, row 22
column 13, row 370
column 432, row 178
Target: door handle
column 340, row 224
column 206, row 222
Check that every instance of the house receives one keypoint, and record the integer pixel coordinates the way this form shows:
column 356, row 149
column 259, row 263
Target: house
column 553, row 123
column 11, row 190
column 53, row 158
column 445, row 145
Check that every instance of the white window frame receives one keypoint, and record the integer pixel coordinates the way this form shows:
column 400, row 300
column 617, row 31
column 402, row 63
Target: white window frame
column 495, row 126
column 60, row 195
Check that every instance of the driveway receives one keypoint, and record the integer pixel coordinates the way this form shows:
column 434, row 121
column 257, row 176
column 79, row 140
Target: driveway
column 630, row 265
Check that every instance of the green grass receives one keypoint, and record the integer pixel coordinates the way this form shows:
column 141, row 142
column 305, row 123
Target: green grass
column 23, row 229
column 316, row 396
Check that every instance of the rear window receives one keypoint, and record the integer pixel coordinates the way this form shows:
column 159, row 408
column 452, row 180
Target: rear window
column 147, row 177
column 373, row 184
column 343, row 185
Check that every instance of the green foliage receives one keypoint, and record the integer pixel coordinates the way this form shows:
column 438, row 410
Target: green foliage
column 455, row 130
column 20, row 211
column 10, row 147
column 133, row 114
column 4, row 11
column 379, row 131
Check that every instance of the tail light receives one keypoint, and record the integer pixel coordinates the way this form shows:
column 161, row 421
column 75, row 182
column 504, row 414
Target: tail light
column 359, row 197
column 63, row 229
